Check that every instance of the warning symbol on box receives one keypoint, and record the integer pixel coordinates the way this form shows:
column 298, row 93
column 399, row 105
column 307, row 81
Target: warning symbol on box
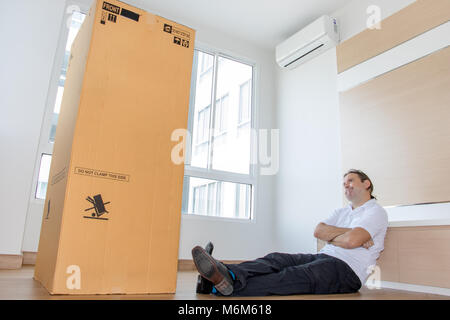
column 167, row 28
column 98, row 206
column 112, row 17
column 185, row 43
column 177, row 40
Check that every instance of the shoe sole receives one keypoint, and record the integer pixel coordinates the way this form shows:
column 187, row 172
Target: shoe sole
column 208, row 269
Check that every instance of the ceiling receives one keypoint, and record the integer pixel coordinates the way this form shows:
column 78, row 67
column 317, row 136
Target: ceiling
column 264, row 23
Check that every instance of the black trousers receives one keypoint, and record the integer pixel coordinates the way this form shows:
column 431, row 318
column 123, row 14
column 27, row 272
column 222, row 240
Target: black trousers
column 285, row 274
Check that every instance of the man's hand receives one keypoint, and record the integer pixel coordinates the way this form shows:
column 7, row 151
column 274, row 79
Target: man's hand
column 368, row 244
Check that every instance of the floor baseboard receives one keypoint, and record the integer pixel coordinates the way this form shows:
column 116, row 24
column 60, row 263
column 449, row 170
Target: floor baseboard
column 29, row 258
column 10, row 261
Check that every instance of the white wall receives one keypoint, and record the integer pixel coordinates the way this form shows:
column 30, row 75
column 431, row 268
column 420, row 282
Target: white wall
column 29, row 31
column 308, row 186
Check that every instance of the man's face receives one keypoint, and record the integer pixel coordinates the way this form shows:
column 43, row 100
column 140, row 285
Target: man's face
column 354, row 188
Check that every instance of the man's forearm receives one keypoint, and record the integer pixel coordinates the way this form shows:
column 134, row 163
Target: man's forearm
column 340, row 241
column 327, row 233
column 352, row 240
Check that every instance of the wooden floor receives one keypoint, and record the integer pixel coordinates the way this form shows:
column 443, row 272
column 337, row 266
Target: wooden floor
column 20, row 285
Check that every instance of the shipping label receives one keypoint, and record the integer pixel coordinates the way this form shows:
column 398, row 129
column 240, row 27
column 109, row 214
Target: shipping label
column 102, row 174
column 111, row 12
column 180, row 37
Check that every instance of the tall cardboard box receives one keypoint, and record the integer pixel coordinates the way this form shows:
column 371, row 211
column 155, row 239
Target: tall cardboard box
column 111, row 220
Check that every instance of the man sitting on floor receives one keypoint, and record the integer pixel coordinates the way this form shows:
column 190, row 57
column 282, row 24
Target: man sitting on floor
column 355, row 236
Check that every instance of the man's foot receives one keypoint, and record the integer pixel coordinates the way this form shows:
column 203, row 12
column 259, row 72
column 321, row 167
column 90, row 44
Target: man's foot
column 205, row 286
column 213, row 270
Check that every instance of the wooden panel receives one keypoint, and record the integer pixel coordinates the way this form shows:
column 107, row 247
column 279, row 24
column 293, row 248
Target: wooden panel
column 395, row 128
column 416, row 255
column 424, row 257
column 417, row 18
column 8, row 261
column 388, row 260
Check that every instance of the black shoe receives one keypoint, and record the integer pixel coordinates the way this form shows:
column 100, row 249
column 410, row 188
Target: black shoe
column 204, row 285
column 213, row 270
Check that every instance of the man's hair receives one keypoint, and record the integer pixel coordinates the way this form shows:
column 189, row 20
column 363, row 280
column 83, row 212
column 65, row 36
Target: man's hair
column 363, row 177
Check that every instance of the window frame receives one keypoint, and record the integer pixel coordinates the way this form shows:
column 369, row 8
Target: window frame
column 251, row 178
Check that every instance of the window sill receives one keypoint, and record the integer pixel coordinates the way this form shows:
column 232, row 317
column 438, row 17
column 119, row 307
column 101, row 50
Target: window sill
column 190, row 216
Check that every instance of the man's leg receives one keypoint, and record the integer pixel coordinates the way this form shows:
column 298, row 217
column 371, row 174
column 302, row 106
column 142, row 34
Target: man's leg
column 224, row 276
column 323, row 275
column 269, row 264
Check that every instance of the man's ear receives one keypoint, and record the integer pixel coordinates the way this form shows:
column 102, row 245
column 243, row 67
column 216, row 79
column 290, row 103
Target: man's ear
column 366, row 184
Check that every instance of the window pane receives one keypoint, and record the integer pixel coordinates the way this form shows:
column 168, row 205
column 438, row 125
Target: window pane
column 244, row 103
column 202, row 109
column 44, row 172
column 77, row 20
column 221, row 116
column 231, row 151
column 216, row 198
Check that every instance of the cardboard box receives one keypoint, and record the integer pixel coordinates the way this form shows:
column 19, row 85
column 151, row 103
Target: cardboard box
column 111, row 220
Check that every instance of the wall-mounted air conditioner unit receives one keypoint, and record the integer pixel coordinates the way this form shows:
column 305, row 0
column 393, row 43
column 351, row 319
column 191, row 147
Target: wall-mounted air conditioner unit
column 308, row 43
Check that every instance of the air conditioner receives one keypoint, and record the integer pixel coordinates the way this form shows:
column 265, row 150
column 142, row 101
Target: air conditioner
column 308, row 43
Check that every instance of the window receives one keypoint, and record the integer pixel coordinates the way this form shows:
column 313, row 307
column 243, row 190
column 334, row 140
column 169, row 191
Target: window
column 73, row 19
column 44, row 171
column 207, row 197
column 217, row 198
column 75, row 24
column 219, row 179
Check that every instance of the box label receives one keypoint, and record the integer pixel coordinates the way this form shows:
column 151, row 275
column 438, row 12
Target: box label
column 114, row 11
column 102, row 174
column 129, row 14
column 112, row 17
column 110, row 7
column 180, row 37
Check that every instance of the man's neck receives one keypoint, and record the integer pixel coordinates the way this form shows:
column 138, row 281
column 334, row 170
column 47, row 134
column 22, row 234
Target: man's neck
column 356, row 204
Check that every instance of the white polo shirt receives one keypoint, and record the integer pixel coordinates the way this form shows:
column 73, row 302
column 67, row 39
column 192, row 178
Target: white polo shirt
column 371, row 217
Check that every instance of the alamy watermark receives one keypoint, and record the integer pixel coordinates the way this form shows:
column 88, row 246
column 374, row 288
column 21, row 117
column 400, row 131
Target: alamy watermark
column 74, row 279
column 374, row 279
column 266, row 158
column 374, row 19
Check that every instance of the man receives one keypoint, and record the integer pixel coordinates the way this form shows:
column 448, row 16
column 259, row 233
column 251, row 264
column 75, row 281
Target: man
column 355, row 236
